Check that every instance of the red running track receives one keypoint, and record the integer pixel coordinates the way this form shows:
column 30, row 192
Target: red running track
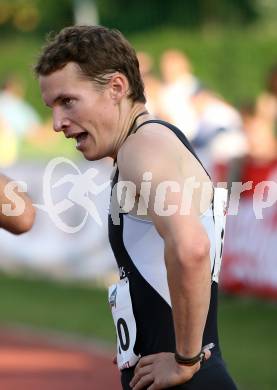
column 33, row 362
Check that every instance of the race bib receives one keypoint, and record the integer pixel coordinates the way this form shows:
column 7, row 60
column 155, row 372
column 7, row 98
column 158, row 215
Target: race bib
column 220, row 208
column 125, row 323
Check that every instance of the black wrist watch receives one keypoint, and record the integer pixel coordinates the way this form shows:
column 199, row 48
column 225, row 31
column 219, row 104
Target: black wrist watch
column 200, row 357
column 184, row 361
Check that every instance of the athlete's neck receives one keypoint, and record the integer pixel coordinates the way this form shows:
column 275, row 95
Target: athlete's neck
column 128, row 125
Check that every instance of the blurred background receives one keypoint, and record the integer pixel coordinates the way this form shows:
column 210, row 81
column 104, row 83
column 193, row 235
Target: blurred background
column 210, row 67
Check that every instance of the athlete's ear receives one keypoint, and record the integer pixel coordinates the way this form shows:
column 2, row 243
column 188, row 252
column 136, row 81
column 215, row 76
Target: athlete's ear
column 118, row 86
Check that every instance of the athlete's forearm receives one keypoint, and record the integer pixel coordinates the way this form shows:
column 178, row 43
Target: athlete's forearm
column 189, row 282
column 15, row 222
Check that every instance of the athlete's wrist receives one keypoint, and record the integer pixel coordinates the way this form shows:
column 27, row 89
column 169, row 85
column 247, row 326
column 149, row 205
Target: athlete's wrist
column 185, row 360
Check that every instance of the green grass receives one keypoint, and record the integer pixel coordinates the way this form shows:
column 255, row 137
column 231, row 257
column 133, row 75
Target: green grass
column 248, row 337
column 247, row 326
column 59, row 306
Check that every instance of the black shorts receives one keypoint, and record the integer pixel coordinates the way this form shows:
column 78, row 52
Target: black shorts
column 212, row 376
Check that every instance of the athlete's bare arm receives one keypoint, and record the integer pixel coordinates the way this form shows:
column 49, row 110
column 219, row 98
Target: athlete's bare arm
column 16, row 224
column 157, row 150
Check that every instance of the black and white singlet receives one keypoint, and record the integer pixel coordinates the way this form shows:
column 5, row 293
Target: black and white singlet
column 140, row 302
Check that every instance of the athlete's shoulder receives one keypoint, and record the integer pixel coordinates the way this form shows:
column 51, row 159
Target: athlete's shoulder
column 151, row 148
column 150, row 135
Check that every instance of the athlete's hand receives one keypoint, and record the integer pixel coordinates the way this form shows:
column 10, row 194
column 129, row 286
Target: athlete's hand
column 161, row 371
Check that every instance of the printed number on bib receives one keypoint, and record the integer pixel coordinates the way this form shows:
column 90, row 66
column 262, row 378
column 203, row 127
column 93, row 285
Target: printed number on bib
column 125, row 323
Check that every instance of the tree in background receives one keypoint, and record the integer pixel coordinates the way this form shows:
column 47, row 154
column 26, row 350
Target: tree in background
column 37, row 16
column 131, row 16
column 40, row 16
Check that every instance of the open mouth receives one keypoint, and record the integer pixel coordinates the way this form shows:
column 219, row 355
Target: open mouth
column 81, row 139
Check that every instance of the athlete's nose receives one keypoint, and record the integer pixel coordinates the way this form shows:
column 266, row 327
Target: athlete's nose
column 60, row 122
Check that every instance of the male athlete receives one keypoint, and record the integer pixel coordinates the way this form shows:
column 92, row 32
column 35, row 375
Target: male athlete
column 15, row 222
column 168, row 246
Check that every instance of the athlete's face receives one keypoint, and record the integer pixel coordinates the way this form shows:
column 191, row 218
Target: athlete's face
column 81, row 110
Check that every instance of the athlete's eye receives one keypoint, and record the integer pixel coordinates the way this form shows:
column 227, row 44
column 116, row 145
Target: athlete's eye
column 67, row 102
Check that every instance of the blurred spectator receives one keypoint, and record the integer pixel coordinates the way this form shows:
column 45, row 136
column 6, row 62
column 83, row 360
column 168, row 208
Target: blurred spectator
column 261, row 157
column 260, row 134
column 8, row 144
column 218, row 134
column 152, row 84
column 18, row 118
column 267, row 101
column 212, row 125
column 249, row 262
column 179, row 85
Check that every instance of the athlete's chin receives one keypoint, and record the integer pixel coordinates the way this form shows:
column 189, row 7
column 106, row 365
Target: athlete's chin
column 92, row 155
